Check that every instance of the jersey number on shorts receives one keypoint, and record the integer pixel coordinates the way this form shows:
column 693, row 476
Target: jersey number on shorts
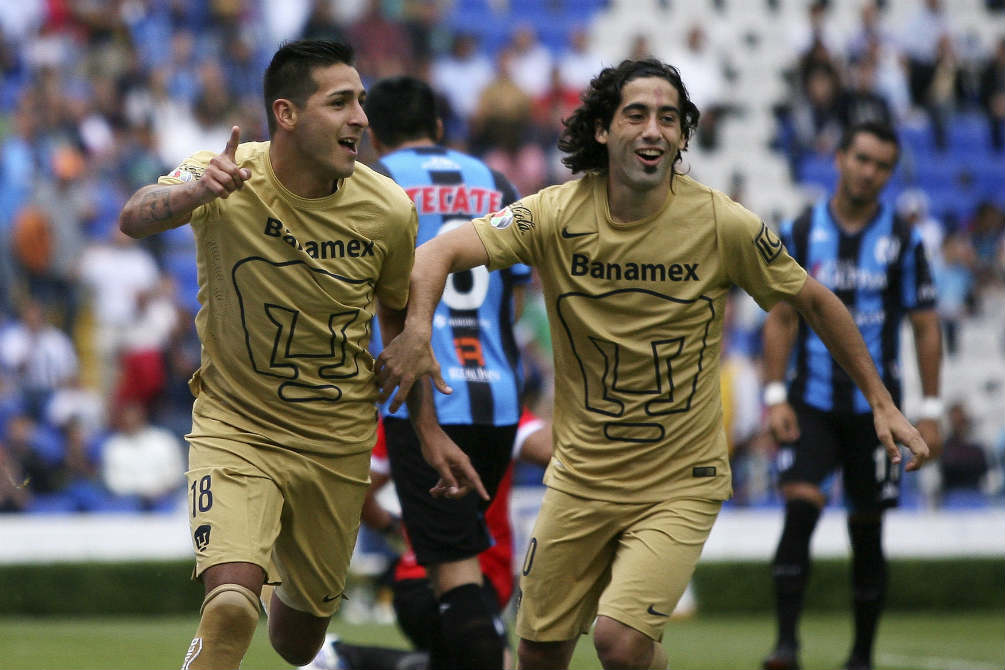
column 202, row 494
column 615, row 373
column 306, row 346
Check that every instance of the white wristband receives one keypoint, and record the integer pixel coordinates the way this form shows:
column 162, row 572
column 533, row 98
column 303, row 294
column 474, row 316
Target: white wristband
column 775, row 394
column 931, row 408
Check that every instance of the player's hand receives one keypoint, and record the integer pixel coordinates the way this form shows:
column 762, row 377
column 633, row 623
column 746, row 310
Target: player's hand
column 407, row 359
column 892, row 428
column 457, row 476
column 222, row 176
column 783, row 423
column 931, row 432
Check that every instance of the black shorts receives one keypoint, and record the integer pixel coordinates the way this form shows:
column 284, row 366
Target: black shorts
column 828, row 441
column 441, row 529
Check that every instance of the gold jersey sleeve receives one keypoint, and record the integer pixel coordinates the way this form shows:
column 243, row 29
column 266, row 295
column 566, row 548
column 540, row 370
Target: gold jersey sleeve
column 636, row 312
column 288, row 288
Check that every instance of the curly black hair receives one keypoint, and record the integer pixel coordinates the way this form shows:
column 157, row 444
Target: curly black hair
column 601, row 100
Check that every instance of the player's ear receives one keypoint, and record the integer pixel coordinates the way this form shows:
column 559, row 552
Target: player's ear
column 599, row 132
column 285, row 113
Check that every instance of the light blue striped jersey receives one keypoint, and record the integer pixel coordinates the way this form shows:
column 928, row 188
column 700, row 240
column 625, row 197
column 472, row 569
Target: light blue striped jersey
column 472, row 334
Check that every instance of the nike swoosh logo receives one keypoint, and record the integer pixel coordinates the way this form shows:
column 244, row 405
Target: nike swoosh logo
column 567, row 235
column 328, row 598
column 655, row 612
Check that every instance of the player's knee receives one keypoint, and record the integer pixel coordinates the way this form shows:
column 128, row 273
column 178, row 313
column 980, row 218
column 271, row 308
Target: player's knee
column 294, row 649
column 229, row 615
column 619, row 646
column 231, row 607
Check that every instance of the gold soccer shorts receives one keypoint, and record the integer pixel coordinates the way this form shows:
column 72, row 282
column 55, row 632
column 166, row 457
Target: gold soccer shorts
column 295, row 515
column 627, row 561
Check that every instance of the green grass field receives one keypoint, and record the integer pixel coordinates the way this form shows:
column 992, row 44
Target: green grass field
column 927, row 641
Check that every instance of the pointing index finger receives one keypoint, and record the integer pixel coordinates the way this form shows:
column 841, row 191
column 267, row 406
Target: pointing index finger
column 235, row 139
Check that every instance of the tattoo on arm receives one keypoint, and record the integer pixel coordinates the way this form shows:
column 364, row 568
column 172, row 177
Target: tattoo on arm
column 156, row 205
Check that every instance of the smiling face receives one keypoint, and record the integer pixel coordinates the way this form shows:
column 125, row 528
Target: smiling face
column 644, row 137
column 329, row 126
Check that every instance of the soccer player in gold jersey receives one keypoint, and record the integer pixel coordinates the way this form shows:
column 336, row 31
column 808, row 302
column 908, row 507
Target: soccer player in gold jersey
column 297, row 249
column 636, row 261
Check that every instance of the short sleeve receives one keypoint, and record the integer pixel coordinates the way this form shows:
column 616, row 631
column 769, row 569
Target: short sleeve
column 513, row 234
column 918, row 286
column 754, row 255
column 191, row 169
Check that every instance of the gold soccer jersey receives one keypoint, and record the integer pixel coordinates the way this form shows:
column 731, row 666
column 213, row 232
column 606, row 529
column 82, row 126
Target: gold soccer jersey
column 287, row 287
column 636, row 314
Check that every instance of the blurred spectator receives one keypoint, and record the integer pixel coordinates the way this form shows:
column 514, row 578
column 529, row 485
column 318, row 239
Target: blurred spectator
column 530, row 62
column 321, row 23
column 919, row 40
column 144, row 343
column 14, row 493
column 37, row 355
column 944, row 90
column 74, row 403
column 964, row 462
column 462, row 73
column 67, row 207
column 992, row 95
column 862, row 101
column 502, row 130
column 580, row 61
column 704, row 70
column 142, row 460
column 817, row 32
column 954, row 286
column 814, row 113
column 383, row 46
column 32, row 455
column 987, row 229
column 116, row 272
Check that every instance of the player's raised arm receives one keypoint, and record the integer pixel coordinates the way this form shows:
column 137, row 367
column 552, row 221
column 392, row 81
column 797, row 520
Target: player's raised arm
column 159, row 207
column 409, row 356
column 832, row 322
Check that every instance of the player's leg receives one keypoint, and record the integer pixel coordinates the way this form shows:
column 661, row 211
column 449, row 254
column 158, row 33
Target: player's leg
column 802, row 468
column 448, row 535
column 234, row 513
column 533, row 654
column 566, row 567
column 871, row 486
column 323, row 496
column 228, row 616
column 655, row 556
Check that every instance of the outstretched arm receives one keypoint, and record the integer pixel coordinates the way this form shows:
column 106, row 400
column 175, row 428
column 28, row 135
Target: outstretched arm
column 831, row 321
column 409, row 357
column 159, row 207
column 780, row 330
column 457, row 476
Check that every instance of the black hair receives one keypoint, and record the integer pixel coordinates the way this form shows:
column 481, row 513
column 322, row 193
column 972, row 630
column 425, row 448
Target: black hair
column 882, row 131
column 401, row 109
column 289, row 75
column 599, row 102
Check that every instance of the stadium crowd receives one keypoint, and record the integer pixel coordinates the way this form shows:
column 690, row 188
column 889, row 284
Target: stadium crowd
column 100, row 97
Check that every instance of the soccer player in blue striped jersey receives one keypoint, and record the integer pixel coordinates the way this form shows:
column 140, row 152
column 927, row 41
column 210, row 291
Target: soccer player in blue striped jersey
column 875, row 263
column 473, row 337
